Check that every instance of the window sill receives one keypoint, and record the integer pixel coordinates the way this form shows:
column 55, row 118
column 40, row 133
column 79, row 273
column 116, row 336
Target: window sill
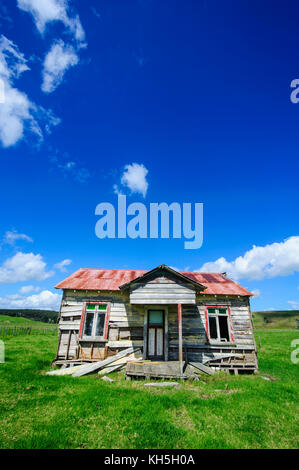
column 92, row 340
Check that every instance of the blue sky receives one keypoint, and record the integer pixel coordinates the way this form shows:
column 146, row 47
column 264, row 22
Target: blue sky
column 197, row 94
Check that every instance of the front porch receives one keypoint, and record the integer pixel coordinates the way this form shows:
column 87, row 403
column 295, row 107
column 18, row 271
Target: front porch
column 164, row 370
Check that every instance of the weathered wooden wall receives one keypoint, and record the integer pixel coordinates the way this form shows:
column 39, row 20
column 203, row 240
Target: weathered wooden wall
column 125, row 324
column 126, row 327
column 194, row 330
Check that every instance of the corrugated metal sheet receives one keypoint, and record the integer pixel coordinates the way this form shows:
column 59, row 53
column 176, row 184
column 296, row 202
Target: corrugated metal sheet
column 111, row 279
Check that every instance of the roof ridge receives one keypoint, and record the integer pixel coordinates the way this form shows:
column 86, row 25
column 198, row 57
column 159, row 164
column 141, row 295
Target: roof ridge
column 146, row 270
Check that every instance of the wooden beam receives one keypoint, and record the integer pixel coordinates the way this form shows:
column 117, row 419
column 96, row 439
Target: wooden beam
column 202, row 368
column 180, row 338
column 101, row 364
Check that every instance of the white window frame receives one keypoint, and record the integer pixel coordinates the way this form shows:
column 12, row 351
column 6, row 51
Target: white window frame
column 217, row 315
column 96, row 313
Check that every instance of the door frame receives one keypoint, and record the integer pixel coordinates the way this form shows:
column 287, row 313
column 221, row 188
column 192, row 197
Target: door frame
column 145, row 330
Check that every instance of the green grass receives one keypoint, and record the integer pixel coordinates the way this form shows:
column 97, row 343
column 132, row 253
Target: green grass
column 38, row 411
column 11, row 322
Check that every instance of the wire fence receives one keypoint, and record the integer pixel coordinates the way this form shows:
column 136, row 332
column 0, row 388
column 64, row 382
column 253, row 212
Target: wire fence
column 26, row 331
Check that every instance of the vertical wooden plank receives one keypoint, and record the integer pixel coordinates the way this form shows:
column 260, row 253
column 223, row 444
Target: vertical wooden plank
column 68, row 344
column 152, row 342
column 107, row 321
column 180, row 338
column 166, row 334
column 159, row 341
column 82, row 320
column 230, row 325
column 91, row 351
column 144, row 355
column 59, row 342
column 186, row 355
column 207, row 324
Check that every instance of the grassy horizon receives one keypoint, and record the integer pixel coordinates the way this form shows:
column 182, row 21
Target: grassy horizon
column 276, row 319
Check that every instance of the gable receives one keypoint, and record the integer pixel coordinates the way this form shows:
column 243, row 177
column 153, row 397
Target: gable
column 162, row 287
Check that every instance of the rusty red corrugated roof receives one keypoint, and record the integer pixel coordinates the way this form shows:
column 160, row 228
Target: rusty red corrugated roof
column 112, row 279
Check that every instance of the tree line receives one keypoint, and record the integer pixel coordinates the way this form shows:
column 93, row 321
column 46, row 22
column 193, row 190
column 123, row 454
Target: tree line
column 47, row 316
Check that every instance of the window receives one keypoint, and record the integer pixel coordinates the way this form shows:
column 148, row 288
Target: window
column 218, row 323
column 94, row 320
column 156, row 317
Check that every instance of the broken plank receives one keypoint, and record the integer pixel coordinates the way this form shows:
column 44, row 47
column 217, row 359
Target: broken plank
column 202, row 368
column 101, row 364
column 66, row 371
column 163, row 384
column 222, row 356
column 112, row 368
column 123, row 361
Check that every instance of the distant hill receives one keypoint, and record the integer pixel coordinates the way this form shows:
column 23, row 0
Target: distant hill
column 276, row 319
column 46, row 316
column 11, row 322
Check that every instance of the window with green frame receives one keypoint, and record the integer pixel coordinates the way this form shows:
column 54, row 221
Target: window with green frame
column 218, row 320
column 94, row 320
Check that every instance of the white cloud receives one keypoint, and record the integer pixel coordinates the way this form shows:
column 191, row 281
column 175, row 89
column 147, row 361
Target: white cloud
column 16, row 109
column 44, row 300
column 116, row 190
column 58, row 60
column 17, row 112
column 62, row 265
column 47, row 11
column 61, row 56
column 11, row 237
column 24, row 267
column 276, row 259
column 134, row 177
column 69, row 168
column 27, row 289
column 13, row 62
column 294, row 304
column 256, row 292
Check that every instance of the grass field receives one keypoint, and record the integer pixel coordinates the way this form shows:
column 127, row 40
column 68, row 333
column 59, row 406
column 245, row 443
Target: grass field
column 38, row 411
column 8, row 321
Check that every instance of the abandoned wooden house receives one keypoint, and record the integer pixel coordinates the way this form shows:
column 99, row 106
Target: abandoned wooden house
column 189, row 317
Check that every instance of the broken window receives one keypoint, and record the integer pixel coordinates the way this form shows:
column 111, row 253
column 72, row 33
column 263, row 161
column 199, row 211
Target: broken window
column 95, row 320
column 218, row 321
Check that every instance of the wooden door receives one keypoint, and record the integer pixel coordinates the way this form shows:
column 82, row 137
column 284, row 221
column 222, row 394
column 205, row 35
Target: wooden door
column 155, row 334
